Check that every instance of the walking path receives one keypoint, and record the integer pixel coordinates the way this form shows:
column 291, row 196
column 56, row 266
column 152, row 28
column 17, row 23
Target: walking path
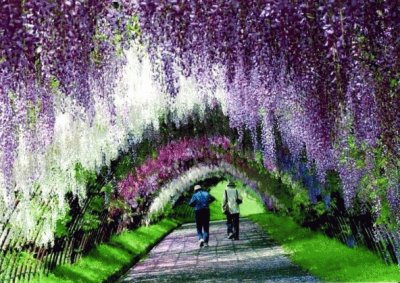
column 253, row 258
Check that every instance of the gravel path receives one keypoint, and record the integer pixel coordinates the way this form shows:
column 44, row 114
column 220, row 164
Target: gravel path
column 253, row 258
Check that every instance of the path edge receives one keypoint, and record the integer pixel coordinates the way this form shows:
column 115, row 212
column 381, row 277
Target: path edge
column 116, row 277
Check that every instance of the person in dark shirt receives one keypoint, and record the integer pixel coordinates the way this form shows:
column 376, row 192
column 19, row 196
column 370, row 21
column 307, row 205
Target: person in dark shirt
column 201, row 200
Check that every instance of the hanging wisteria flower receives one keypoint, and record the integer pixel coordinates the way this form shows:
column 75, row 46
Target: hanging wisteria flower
column 77, row 78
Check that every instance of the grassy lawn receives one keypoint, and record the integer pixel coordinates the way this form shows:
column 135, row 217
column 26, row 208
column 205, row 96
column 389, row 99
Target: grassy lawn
column 324, row 257
column 109, row 260
column 252, row 204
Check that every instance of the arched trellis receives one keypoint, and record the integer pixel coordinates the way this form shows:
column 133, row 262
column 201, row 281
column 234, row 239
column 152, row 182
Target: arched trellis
column 14, row 244
column 322, row 77
column 67, row 248
column 240, row 164
column 76, row 241
column 171, row 192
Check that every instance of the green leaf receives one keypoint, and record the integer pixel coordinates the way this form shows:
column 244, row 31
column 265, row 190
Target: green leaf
column 84, row 176
column 61, row 226
column 394, row 83
column 54, row 84
column 107, row 188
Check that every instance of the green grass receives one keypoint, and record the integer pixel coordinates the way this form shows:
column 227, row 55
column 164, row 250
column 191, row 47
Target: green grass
column 324, row 257
column 108, row 261
column 252, row 204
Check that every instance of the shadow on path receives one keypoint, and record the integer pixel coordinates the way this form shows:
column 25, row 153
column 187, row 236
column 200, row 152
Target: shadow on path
column 254, row 258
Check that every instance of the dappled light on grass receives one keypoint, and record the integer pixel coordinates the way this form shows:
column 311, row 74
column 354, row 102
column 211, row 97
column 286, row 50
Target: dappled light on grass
column 325, row 257
column 308, row 89
column 108, row 260
column 252, row 204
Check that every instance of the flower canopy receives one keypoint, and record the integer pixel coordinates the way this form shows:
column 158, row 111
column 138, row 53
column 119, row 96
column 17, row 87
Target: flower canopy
column 80, row 81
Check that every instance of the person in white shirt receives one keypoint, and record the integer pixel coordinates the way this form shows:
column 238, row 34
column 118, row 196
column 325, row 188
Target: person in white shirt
column 230, row 206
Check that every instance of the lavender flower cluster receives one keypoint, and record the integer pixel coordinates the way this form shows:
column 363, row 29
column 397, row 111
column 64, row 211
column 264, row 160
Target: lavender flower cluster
column 317, row 73
column 304, row 68
column 172, row 160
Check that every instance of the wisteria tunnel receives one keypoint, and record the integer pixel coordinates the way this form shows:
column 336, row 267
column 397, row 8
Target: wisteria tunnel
column 112, row 111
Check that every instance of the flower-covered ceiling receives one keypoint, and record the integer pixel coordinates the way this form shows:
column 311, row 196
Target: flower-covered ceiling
column 78, row 77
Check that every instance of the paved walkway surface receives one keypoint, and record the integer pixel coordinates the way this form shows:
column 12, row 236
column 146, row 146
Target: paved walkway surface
column 253, row 258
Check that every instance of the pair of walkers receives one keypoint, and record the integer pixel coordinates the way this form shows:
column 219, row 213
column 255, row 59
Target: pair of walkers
column 201, row 200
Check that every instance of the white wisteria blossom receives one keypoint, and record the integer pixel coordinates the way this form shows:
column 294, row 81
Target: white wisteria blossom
column 43, row 177
column 171, row 192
